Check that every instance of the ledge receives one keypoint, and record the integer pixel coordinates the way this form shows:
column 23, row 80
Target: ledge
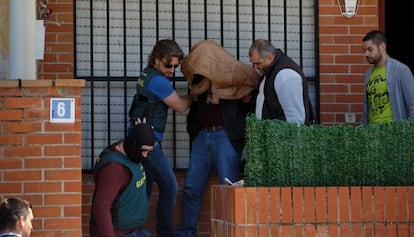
column 42, row 83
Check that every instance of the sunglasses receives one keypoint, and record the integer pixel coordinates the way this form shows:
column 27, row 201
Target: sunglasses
column 168, row 65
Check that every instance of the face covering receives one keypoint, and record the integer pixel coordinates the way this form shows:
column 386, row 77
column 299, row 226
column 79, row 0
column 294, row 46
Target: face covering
column 142, row 134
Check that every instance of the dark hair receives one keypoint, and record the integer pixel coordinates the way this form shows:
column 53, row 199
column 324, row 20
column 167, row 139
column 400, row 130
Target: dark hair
column 167, row 49
column 376, row 36
column 262, row 47
column 10, row 210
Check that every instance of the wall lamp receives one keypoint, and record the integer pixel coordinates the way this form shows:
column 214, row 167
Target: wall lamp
column 348, row 8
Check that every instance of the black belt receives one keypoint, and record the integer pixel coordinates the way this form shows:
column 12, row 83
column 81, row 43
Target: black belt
column 212, row 128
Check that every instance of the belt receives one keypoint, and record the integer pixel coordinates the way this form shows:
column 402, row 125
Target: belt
column 213, row 128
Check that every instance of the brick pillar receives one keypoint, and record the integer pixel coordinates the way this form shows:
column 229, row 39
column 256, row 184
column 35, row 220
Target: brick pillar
column 39, row 160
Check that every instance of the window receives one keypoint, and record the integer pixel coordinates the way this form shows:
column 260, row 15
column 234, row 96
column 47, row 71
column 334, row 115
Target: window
column 114, row 38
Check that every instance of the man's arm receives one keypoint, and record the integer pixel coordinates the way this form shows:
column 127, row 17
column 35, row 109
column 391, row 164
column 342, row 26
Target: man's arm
column 162, row 88
column 289, row 89
column 407, row 87
column 111, row 179
column 178, row 103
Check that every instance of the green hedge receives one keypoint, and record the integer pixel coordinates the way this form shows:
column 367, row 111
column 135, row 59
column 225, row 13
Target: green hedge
column 285, row 154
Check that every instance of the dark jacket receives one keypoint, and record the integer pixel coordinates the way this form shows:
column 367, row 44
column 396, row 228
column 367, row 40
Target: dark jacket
column 271, row 107
column 233, row 112
column 130, row 208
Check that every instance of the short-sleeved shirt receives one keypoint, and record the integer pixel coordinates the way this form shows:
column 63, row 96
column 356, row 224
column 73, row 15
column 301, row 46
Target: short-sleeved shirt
column 378, row 98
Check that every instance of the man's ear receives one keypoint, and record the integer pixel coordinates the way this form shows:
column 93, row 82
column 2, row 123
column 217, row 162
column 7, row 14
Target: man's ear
column 20, row 223
column 383, row 47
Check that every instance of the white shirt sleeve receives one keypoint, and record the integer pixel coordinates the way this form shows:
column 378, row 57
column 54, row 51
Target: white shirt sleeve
column 289, row 90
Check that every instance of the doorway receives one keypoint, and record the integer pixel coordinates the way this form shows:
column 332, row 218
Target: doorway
column 397, row 28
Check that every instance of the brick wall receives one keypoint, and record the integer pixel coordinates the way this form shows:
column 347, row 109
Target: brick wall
column 312, row 211
column 53, row 184
column 342, row 62
column 59, row 56
column 39, row 160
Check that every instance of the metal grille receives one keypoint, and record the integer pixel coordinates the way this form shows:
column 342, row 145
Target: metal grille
column 114, row 38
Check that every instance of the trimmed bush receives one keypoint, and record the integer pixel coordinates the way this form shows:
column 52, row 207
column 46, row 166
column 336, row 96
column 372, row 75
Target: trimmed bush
column 285, row 154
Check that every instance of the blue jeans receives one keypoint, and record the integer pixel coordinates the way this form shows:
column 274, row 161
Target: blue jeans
column 138, row 233
column 210, row 150
column 159, row 170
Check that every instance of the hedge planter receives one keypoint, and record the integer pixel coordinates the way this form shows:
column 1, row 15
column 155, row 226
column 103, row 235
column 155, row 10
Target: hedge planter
column 312, row 211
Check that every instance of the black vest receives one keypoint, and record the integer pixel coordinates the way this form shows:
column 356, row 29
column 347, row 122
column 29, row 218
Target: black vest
column 146, row 105
column 271, row 106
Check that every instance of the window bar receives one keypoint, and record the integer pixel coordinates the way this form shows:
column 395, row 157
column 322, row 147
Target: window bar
column 92, row 86
column 125, row 67
column 108, row 71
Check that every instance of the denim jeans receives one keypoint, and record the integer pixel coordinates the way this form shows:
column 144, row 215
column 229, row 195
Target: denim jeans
column 159, row 170
column 210, row 150
column 138, row 233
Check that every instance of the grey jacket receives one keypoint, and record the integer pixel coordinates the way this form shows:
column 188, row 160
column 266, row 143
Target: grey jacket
column 400, row 84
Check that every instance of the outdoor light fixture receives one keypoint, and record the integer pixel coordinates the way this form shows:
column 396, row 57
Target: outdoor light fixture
column 348, row 8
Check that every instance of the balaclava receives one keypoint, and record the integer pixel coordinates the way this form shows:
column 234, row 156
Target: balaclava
column 142, row 134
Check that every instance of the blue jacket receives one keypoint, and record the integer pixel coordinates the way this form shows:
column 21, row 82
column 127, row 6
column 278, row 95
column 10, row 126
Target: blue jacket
column 400, row 84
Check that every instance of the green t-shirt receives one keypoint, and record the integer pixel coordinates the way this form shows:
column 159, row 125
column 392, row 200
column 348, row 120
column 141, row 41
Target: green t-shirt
column 378, row 97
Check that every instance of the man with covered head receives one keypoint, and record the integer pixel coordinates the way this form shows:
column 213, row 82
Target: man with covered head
column 119, row 204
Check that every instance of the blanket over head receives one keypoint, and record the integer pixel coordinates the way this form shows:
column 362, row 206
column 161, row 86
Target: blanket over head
column 227, row 77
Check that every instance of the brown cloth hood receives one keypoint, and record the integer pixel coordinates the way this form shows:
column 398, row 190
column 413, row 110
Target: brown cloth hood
column 228, row 77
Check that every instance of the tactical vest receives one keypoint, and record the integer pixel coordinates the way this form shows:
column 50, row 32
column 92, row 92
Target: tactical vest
column 271, row 106
column 147, row 105
column 130, row 208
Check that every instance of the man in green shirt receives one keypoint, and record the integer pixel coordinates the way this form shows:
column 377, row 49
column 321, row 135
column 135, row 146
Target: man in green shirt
column 388, row 84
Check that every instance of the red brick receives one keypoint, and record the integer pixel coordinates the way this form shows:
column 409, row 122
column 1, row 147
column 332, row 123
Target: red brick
column 11, row 163
column 390, row 204
column 62, row 174
column 263, row 205
column 332, row 195
column 47, row 138
column 22, row 151
column 10, row 187
column 274, row 204
column 62, row 223
column 43, row 187
column 22, row 127
column 297, row 204
column 411, row 204
column 356, row 204
column 46, row 163
column 367, row 204
column 286, row 205
column 251, row 205
column 48, row 211
column 321, row 206
column 309, row 204
column 62, row 150
column 402, row 204
column 22, row 175
column 22, row 102
column 379, row 204
column 62, row 199
column 11, row 114
column 344, row 204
